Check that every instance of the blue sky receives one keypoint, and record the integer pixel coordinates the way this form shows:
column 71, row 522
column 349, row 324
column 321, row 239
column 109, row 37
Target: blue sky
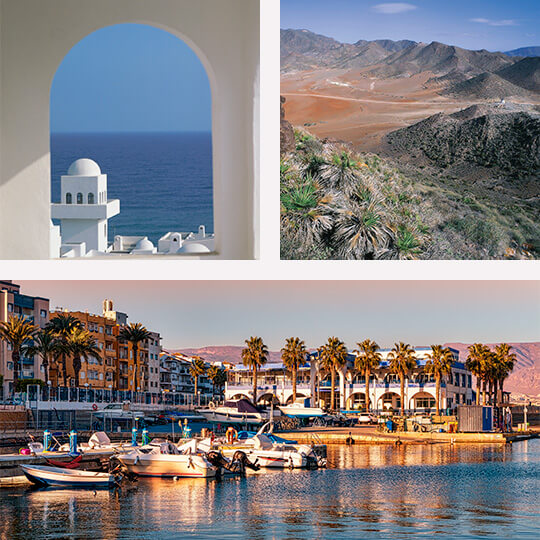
column 472, row 24
column 130, row 78
column 199, row 313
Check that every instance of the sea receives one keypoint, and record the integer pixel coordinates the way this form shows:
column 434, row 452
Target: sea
column 368, row 491
column 163, row 180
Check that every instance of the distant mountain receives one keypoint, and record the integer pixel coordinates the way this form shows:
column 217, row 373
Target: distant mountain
column 525, row 73
column 487, row 86
column 525, row 379
column 305, row 50
column 302, row 49
column 524, row 51
column 223, row 353
column 481, row 135
column 440, row 59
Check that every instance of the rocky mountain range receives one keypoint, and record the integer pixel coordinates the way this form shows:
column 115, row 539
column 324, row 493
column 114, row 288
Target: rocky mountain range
column 453, row 68
column 525, row 378
column 524, row 51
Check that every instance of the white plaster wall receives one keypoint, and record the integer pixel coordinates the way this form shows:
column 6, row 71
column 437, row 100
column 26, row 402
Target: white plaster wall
column 35, row 36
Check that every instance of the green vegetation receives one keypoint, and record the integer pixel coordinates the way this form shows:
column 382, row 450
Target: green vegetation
column 340, row 204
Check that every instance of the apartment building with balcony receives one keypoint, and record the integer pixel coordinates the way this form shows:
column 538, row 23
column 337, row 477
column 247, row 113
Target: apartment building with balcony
column 175, row 375
column 36, row 310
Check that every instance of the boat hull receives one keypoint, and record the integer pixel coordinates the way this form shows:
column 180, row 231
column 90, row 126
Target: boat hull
column 233, row 418
column 43, row 477
column 167, row 465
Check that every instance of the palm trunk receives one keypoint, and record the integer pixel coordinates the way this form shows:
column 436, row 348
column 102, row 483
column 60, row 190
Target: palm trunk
column 332, row 393
column 484, row 391
column 495, row 389
column 45, row 365
column 402, row 390
column 196, row 390
column 478, row 390
column 294, row 383
column 77, row 369
column 366, row 375
column 15, row 356
column 438, row 393
column 255, row 385
column 64, row 368
column 136, row 374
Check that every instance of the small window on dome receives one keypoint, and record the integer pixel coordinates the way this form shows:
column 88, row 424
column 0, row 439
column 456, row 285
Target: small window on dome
column 79, row 198
column 90, row 198
column 68, row 198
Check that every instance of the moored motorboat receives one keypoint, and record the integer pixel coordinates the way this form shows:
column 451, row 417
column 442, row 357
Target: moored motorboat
column 167, row 460
column 300, row 410
column 43, row 475
column 239, row 412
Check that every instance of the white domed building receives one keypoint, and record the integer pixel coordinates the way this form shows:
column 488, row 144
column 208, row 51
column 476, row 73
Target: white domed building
column 84, row 209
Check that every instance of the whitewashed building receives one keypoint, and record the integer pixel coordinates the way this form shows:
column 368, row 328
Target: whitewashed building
column 84, row 209
column 274, row 382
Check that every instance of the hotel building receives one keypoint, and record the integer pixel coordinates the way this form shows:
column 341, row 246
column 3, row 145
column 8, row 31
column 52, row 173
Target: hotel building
column 274, row 382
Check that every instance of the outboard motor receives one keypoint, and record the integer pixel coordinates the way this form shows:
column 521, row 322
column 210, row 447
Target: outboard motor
column 241, row 460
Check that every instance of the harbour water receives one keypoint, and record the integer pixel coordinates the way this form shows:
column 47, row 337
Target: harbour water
column 163, row 180
column 459, row 491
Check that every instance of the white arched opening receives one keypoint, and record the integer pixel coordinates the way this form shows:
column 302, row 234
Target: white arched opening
column 224, row 35
column 146, row 170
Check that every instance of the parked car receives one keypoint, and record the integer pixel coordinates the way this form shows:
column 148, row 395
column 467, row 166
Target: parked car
column 366, row 418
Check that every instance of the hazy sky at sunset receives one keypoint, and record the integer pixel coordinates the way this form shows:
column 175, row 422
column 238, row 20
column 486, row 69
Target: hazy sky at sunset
column 199, row 313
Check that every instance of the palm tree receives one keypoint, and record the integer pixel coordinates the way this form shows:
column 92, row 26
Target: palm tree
column 81, row 344
column 135, row 333
column 61, row 325
column 402, row 360
column 506, row 359
column 218, row 376
column 476, row 364
column 368, row 358
column 333, row 356
column 197, row 368
column 254, row 356
column 439, row 365
column 294, row 355
column 362, row 231
column 45, row 345
column 17, row 332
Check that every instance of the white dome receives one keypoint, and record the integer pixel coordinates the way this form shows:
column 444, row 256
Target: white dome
column 145, row 244
column 84, row 167
column 193, row 247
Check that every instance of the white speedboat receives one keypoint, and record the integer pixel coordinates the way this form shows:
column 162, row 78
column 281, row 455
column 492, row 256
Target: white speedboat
column 42, row 475
column 240, row 411
column 299, row 410
column 261, row 450
column 118, row 411
column 167, row 460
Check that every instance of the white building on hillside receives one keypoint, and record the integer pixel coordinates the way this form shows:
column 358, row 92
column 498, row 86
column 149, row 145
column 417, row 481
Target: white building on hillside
column 84, row 209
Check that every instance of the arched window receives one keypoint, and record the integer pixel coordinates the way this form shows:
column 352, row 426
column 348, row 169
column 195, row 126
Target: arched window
column 79, row 198
column 68, row 198
column 90, row 198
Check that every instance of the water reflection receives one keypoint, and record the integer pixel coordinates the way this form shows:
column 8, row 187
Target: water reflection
column 367, row 491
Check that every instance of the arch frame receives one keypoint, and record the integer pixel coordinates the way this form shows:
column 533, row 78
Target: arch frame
column 224, row 35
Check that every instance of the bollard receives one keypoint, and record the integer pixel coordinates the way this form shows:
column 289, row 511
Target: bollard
column 72, row 442
column 145, row 437
column 46, row 440
column 134, row 437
